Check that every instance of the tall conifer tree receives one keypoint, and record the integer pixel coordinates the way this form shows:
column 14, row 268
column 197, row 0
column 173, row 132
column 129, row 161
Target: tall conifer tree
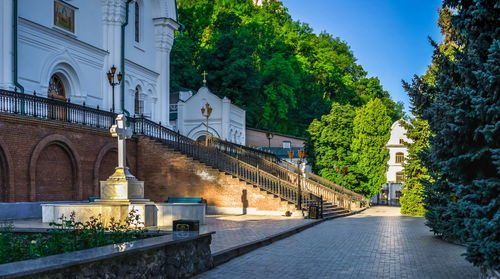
column 462, row 107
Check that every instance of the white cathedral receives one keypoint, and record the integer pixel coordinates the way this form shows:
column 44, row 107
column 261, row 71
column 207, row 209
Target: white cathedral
column 74, row 50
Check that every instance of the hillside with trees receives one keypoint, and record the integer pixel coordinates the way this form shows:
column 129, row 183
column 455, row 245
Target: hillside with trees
column 277, row 69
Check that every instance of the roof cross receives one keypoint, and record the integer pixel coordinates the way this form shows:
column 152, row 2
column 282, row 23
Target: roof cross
column 204, row 77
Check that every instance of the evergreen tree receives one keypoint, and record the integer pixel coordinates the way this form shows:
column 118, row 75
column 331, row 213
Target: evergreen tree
column 412, row 200
column 371, row 131
column 462, row 106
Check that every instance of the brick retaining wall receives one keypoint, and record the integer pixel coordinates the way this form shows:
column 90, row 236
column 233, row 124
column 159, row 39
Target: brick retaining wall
column 50, row 161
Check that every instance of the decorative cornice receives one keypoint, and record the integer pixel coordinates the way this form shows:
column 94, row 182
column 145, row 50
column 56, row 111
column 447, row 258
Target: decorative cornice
column 113, row 11
column 164, row 33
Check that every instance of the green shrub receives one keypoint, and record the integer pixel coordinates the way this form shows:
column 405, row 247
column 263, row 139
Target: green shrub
column 67, row 236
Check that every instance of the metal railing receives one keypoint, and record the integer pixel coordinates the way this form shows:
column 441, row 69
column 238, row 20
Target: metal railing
column 61, row 111
column 52, row 109
column 257, row 167
column 286, row 171
column 222, row 161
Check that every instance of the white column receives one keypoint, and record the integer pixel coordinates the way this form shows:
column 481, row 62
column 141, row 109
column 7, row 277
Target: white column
column 244, row 123
column 226, row 119
column 113, row 18
column 180, row 118
column 6, row 45
column 164, row 39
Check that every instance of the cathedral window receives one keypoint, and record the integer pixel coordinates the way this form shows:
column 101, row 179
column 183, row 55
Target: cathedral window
column 400, row 156
column 56, row 88
column 137, row 22
column 138, row 102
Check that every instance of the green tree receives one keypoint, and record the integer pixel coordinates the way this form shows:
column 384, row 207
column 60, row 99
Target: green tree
column 461, row 106
column 412, row 200
column 330, row 141
column 371, row 131
column 277, row 69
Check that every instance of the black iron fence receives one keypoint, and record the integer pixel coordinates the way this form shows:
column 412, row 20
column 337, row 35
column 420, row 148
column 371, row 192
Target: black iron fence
column 53, row 109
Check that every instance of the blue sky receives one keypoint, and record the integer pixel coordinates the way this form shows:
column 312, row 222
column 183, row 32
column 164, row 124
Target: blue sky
column 388, row 37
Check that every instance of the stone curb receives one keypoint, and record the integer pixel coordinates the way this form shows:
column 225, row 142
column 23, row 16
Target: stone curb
column 231, row 253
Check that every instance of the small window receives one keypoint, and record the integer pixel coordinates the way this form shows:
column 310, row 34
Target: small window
column 401, row 141
column 400, row 157
column 287, row 144
column 137, row 22
column 399, row 177
column 138, row 102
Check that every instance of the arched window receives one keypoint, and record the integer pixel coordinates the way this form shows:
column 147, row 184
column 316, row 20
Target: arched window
column 138, row 102
column 137, row 22
column 56, row 88
column 400, row 157
column 399, row 177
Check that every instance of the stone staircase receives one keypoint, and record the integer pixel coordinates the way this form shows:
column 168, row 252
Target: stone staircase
column 260, row 169
column 336, row 199
column 332, row 211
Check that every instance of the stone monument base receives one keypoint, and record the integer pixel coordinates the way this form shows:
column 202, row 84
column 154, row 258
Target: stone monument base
column 151, row 214
column 107, row 210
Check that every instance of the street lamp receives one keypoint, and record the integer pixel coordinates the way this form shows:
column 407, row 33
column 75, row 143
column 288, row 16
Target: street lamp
column 302, row 155
column 111, row 79
column 269, row 136
column 206, row 111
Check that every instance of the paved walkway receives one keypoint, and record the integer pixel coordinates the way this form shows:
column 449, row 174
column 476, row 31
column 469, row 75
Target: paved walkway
column 377, row 243
column 235, row 230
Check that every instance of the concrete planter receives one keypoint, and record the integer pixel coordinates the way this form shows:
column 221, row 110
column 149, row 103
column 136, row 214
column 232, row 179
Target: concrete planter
column 177, row 255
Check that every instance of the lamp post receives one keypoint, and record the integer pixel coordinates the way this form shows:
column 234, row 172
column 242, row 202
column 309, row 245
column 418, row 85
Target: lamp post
column 111, row 79
column 269, row 136
column 302, row 155
column 206, row 111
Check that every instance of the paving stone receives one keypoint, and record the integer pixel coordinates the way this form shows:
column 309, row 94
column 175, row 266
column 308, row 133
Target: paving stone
column 378, row 243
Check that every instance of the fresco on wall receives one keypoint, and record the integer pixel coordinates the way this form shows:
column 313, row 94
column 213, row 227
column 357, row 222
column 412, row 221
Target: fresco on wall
column 64, row 16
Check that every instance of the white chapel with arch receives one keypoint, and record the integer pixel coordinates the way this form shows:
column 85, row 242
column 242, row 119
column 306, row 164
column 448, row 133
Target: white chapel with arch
column 226, row 121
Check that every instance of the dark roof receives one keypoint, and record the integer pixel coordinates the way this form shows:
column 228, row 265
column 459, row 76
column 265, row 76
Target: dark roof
column 281, row 152
column 278, row 134
column 174, row 97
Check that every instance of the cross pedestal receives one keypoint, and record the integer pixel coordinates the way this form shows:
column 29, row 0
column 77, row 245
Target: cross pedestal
column 122, row 186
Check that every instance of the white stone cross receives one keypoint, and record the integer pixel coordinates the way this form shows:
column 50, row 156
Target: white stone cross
column 122, row 132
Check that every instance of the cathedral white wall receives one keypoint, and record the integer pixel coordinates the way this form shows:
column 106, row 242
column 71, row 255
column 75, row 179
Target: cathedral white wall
column 142, row 52
column 88, row 17
column 6, row 58
column 45, row 51
column 83, row 57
